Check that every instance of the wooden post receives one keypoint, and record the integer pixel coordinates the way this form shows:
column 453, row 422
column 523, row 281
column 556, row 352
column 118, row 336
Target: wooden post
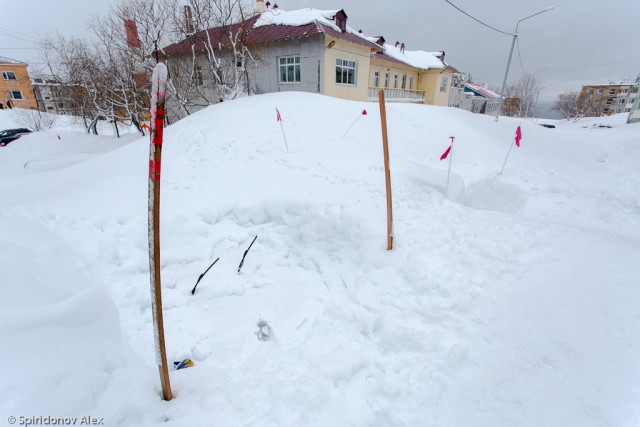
column 387, row 173
column 159, row 84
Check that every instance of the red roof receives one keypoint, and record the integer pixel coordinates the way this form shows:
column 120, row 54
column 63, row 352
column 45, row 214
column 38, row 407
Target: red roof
column 482, row 91
column 219, row 36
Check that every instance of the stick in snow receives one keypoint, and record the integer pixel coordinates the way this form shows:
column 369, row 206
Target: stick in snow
column 193, row 291
column 279, row 119
column 158, row 94
column 245, row 254
column 364, row 113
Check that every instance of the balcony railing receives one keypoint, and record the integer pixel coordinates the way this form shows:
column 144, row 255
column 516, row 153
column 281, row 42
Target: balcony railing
column 397, row 95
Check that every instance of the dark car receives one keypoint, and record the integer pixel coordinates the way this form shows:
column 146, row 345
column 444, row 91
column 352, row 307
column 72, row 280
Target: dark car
column 6, row 136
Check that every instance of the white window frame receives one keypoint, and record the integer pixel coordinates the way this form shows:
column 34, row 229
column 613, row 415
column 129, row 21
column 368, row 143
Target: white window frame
column 12, row 95
column 395, row 81
column 410, row 82
column 387, row 75
column 343, row 66
column 289, row 61
column 404, row 82
column 6, row 74
column 376, row 79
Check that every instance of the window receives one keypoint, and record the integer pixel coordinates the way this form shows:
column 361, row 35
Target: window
column 599, row 91
column 290, row 69
column 627, row 110
column 376, row 79
column 632, row 100
column 621, row 101
column 9, row 75
column 411, row 82
column 386, row 79
column 346, row 71
column 590, row 91
column 635, row 90
column 443, row 84
column 395, row 81
column 15, row 94
column 404, row 81
column 197, row 75
column 612, row 92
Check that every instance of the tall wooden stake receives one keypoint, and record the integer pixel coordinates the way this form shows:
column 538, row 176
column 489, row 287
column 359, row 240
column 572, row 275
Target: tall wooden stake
column 158, row 92
column 387, row 173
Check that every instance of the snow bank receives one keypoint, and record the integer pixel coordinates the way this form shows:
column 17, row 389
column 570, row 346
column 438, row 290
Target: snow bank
column 509, row 301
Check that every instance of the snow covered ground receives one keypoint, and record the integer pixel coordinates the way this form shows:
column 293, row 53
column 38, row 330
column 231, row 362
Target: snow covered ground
column 511, row 301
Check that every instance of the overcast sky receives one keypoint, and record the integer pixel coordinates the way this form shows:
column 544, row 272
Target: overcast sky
column 578, row 42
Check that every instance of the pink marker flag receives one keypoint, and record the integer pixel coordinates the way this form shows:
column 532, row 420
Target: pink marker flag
column 446, row 153
column 364, row 112
column 278, row 117
column 518, row 136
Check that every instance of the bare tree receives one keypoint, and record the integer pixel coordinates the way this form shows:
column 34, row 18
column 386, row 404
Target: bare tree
column 520, row 97
column 568, row 104
column 33, row 119
column 215, row 54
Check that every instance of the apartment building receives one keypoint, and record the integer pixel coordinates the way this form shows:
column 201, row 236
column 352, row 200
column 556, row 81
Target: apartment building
column 610, row 98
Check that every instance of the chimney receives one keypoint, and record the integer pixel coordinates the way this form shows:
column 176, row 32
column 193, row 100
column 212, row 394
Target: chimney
column 341, row 20
column 132, row 33
column 260, row 6
column 380, row 41
column 188, row 20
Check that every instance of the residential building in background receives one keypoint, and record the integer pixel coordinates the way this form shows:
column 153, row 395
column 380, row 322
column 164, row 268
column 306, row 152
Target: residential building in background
column 610, row 98
column 484, row 100
column 15, row 84
column 52, row 97
column 316, row 51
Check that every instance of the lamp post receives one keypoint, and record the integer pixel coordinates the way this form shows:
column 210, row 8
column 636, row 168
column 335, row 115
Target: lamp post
column 513, row 43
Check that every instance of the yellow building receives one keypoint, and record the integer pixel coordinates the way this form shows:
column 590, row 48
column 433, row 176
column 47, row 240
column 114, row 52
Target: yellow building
column 409, row 76
column 15, row 85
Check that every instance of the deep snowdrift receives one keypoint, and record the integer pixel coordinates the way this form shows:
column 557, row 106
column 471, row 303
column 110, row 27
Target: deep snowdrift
column 512, row 301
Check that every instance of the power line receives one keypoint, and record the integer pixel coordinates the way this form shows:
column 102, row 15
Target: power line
column 18, row 32
column 437, row 18
column 16, row 37
column 593, row 66
column 477, row 20
column 519, row 56
column 23, row 48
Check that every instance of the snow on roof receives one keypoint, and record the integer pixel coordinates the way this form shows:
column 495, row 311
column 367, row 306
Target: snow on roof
column 415, row 58
column 300, row 17
column 297, row 18
column 4, row 59
column 614, row 83
column 487, row 93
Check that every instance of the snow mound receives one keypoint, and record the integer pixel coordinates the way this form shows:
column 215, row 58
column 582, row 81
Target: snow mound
column 506, row 300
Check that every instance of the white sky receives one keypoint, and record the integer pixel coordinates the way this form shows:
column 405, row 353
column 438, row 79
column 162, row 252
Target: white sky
column 579, row 42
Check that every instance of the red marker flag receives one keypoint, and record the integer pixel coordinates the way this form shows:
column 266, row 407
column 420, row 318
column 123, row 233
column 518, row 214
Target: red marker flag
column 364, row 112
column 518, row 136
column 278, row 117
column 446, row 153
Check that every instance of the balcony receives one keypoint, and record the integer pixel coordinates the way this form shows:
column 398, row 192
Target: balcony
column 397, row 95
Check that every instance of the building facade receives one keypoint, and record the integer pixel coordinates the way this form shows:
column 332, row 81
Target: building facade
column 316, row 51
column 15, row 85
column 610, row 98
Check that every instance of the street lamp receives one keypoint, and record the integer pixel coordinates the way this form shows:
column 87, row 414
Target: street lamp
column 506, row 73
